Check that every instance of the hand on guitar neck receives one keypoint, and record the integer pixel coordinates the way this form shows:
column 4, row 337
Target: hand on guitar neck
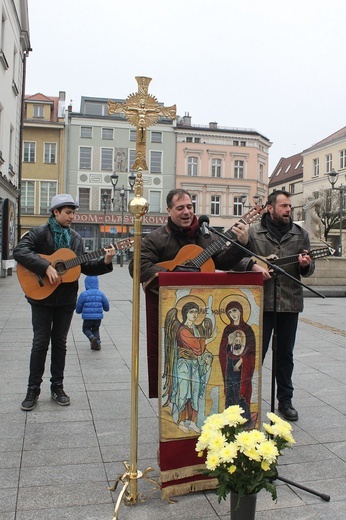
column 304, row 259
column 53, row 275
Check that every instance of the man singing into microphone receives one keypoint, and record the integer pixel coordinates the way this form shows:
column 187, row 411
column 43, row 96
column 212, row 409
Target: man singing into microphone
column 183, row 229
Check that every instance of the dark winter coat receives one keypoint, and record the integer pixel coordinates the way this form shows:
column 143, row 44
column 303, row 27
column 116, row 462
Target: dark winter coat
column 161, row 245
column 92, row 302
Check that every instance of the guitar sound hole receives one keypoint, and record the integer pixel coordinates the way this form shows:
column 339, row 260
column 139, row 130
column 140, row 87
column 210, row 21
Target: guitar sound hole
column 60, row 267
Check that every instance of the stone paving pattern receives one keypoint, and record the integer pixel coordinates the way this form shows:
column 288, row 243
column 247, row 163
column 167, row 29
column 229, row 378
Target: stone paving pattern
column 58, row 462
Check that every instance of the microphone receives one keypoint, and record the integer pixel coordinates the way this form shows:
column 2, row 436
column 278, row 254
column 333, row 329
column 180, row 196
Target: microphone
column 203, row 223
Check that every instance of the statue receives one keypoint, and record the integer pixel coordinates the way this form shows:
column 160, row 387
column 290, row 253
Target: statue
column 313, row 223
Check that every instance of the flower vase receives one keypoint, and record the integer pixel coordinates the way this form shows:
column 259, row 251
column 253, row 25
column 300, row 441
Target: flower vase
column 243, row 508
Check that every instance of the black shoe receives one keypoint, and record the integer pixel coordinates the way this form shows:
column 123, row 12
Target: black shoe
column 287, row 410
column 30, row 400
column 94, row 344
column 59, row 396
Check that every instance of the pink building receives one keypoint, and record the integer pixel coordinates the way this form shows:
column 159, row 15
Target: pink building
column 224, row 169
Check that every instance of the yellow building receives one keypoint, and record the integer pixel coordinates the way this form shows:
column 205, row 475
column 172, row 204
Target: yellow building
column 43, row 157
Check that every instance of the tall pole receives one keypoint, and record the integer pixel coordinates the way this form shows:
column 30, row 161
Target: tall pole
column 340, row 218
column 122, row 195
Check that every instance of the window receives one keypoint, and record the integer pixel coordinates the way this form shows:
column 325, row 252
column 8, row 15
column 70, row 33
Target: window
column 154, row 201
column 216, row 167
column 84, row 198
column 197, row 139
column 27, row 197
column 107, row 159
column 239, row 169
column 85, row 157
column 242, row 143
column 328, row 163
column 108, row 194
column 107, row 133
column 342, row 159
column 298, row 164
column 316, row 164
column 38, row 110
column 156, row 137
column 132, row 158
column 235, row 143
column 194, row 202
column 29, row 152
column 215, row 205
column 133, row 134
column 189, row 139
column 237, row 206
column 261, row 172
column 47, row 191
column 155, row 162
column 291, row 188
column 50, row 153
column 86, row 132
column 288, row 167
column 192, row 164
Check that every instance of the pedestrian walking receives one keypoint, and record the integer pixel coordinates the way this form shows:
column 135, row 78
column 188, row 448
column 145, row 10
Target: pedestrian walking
column 90, row 304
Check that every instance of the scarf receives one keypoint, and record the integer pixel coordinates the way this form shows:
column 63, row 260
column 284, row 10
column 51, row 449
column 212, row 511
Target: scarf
column 62, row 236
column 177, row 231
column 275, row 229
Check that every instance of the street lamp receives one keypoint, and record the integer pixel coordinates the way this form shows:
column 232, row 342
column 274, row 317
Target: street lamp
column 122, row 191
column 104, row 207
column 332, row 178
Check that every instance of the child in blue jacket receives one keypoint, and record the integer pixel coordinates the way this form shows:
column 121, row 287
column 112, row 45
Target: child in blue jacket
column 91, row 303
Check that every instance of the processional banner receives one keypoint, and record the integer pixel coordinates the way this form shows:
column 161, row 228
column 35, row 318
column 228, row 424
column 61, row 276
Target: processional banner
column 210, row 357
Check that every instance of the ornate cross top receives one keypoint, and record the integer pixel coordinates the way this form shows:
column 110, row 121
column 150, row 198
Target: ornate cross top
column 142, row 110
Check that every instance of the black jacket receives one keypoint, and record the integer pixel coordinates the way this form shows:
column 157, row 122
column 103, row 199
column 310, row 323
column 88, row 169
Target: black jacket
column 40, row 240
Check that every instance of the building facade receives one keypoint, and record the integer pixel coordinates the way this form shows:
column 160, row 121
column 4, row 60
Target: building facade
column 288, row 176
column 224, row 169
column 14, row 48
column 43, row 157
column 98, row 146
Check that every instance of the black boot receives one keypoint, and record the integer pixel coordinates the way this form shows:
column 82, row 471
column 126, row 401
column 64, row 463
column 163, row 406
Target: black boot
column 30, row 400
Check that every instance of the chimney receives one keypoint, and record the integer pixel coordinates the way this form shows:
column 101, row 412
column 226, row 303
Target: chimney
column 187, row 119
column 213, row 125
column 61, row 108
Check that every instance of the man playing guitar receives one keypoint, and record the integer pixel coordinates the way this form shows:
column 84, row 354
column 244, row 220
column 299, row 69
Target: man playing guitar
column 181, row 230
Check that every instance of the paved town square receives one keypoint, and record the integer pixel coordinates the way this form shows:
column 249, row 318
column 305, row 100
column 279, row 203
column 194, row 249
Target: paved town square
column 58, row 462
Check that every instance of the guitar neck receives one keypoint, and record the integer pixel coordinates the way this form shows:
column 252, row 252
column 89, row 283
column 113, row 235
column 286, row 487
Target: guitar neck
column 85, row 257
column 216, row 246
column 314, row 254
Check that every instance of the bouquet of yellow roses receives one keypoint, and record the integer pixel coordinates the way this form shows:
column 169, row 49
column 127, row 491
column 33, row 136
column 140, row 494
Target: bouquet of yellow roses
column 243, row 461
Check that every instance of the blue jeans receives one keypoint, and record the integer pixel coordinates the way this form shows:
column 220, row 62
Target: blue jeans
column 91, row 329
column 286, row 328
column 50, row 325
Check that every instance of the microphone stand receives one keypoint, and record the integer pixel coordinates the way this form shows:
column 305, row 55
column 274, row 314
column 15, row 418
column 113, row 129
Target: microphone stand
column 276, row 271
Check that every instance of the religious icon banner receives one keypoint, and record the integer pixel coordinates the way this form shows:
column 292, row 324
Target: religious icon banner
column 210, row 357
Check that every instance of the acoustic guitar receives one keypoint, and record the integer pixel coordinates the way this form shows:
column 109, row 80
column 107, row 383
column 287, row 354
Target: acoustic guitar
column 66, row 263
column 194, row 256
column 321, row 252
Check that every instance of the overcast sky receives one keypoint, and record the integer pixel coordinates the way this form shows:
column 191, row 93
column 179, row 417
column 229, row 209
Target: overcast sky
column 277, row 66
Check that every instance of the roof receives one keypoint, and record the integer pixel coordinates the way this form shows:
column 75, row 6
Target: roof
column 42, row 98
column 288, row 169
column 336, row 136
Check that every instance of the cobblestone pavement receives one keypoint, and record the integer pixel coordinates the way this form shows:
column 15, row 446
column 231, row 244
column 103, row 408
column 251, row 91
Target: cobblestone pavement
column 59, row 462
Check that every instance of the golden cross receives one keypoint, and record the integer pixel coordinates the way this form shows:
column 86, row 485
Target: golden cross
column 141, row 110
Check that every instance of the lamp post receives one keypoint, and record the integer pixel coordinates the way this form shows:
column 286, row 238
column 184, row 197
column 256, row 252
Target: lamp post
column 332, row 178
column 256, row 199
column 122, row 192
column 104, row 207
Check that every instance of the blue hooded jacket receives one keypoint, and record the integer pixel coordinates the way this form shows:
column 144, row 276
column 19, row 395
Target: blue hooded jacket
column 92, row 302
